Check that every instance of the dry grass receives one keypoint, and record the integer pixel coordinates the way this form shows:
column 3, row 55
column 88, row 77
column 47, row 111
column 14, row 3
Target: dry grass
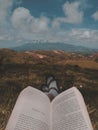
column 83, row 63
column 16, row 75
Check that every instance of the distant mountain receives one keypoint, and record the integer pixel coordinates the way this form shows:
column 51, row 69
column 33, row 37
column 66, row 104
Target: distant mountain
column 53, row 46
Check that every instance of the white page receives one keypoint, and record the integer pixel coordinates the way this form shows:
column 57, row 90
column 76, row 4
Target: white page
column 83, row 108
column 69, row 112
column 31, row 111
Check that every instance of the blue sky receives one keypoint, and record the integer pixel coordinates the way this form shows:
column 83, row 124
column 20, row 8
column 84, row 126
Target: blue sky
column 69, row 21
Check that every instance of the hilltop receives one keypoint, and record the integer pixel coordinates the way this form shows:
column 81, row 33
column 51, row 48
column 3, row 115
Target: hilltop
column 54, row 46
column 20, row 69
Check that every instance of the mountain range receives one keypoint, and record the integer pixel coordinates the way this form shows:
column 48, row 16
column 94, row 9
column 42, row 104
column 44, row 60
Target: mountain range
column 54, row 46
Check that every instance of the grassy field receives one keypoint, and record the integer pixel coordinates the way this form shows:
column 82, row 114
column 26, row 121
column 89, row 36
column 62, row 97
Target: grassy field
column 19, row 70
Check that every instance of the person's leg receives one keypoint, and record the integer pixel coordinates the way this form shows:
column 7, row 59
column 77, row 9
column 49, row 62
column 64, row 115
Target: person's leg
column 51, row 97
column 45, row 89
column 51, row 88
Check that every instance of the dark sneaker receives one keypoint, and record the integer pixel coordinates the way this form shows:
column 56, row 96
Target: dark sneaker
column 49, row 79
column 44, row 88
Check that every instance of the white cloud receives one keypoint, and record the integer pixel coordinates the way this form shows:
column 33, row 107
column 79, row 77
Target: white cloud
column 24, row 21
column 95, row 16
column 87, row 36
column 28, row 27
column 41, row 24
column 72, row 14
column 81, row 33
column 21, row 19
column 5, row 10
column 24, row 27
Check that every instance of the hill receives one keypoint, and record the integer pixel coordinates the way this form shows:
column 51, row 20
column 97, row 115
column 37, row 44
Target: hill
column 20, row 69
column 53, row 46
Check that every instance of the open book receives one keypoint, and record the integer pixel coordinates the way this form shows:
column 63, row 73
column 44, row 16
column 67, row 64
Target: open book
column 33, row 111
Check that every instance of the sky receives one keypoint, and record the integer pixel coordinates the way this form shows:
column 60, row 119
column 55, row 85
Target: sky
column 69, row 21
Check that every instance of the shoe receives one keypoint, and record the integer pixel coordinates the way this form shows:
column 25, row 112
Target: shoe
column 49, row 79
column 44, row 88
column 52, row 84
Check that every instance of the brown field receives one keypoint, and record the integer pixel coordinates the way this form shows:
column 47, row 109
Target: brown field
column 19, row 69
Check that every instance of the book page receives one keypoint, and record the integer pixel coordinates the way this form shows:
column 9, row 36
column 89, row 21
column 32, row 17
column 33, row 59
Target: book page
column 69, row 112
column 31, row 111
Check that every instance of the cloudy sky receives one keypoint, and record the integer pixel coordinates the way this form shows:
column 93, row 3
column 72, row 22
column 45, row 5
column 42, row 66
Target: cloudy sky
column 69, row 21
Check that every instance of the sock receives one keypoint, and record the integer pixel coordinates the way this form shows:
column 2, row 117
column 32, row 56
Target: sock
column 53, row 84
column 49, row 79
column 46, row 93
column 53, row 92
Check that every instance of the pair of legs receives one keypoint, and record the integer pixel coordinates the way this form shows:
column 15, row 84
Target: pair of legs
column 51, row 88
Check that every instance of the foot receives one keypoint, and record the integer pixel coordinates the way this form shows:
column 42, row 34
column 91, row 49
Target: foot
column 49, row 79
column 53, row 86
column 44, row 88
